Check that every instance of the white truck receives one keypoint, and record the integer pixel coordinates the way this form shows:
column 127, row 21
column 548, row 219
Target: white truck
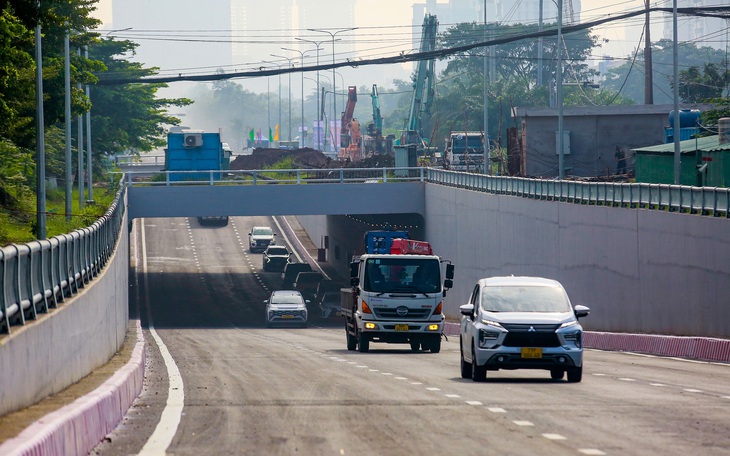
column 397, row 297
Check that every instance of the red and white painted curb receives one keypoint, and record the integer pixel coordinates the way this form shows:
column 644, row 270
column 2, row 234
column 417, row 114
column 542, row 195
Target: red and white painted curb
column 701, row 348
column 78, row 427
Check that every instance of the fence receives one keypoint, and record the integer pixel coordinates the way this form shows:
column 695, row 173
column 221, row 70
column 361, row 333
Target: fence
column 37, row 276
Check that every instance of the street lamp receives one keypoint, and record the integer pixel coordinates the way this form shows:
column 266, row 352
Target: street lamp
column 334, row 97
column 278, row 65
column 319, row 115
column 301, row 53
column 117, row 30
column 290, row 65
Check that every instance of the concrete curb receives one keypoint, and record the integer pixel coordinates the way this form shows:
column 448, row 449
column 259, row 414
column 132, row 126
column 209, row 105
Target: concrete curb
column 78, row 427
column 701, row 348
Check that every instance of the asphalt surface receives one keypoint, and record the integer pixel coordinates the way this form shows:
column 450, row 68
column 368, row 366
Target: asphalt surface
column 246, row 389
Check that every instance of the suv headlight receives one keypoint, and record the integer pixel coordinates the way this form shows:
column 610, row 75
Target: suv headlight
column 576, row 337
column 492, row 323
column 487, row 336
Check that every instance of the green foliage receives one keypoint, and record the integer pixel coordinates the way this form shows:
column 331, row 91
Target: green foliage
column 710, row 118
column 17, row 169
column 697, row 86
column 630, row 81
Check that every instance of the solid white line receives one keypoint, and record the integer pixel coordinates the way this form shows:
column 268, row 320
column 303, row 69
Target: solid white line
column 167, row 427
column 283, row 234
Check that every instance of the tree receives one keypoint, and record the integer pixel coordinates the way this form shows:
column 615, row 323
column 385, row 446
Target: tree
column 127, row 117
column 697, row 86
column 629, row 77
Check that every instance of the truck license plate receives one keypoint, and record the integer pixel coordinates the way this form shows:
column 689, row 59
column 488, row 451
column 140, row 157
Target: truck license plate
column 401, row 327
column 529, row 352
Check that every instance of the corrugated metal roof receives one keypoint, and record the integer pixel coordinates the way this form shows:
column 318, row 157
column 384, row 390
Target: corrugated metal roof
column 704, row 144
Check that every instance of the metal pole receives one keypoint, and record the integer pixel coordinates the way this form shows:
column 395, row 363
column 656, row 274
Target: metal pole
column 80, row 148
column 539, row 47
column 301, row 133
column 67, row 121
column 675, row 53
column 89, row 162
column 290, row 67
column 318, row 116
column 559, row 88
column 486, row 97
column 648, row 70
column 40, row 138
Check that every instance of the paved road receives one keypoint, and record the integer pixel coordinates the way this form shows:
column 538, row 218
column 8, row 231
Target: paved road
column 246, row 389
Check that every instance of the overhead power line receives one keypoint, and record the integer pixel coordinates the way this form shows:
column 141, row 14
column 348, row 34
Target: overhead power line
column 712, row 11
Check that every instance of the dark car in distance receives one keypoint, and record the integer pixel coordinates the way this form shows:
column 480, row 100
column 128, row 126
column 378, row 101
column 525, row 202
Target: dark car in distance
column 275, row 258
column 291, row 270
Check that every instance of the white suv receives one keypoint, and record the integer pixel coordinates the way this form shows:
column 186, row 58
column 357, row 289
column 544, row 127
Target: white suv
column 286, row 306
column 521, row 323
column 260, row 237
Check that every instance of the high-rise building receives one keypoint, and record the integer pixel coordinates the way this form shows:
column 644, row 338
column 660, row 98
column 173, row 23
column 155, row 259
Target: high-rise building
column 705, row 31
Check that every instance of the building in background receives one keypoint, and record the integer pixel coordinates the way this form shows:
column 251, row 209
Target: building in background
column 705, row 31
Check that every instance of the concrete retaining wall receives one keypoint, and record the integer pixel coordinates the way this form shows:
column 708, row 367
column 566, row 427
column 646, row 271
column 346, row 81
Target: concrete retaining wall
column 640, row 271
column 63, row 346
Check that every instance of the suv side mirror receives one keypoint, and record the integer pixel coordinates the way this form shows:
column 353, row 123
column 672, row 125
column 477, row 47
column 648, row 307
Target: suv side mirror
column 581, row 311
column 467, row 309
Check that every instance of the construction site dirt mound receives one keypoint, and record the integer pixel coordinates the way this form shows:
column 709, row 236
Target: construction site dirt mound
column 262, row 158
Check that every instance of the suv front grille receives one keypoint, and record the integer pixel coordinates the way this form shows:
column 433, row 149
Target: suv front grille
column 526, row 335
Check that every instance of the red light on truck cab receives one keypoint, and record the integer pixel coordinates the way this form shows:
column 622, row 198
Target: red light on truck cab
column 438, row 309
column 409, row 246
column 366, row 308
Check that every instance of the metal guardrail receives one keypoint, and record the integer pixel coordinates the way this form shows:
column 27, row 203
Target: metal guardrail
column 277, row 176
column 709, row 201
column 37, row 276
column 140, row 160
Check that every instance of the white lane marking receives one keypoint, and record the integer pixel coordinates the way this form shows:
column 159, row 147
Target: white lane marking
column 362, row 367
column 726, row 397
column 657, row 384
column 452, row 395
column 553, row 437
column 373, row 370
column 523, row 423
column 692, row 390
column 432, row 388
column 166, row 428
column 386, row 373
column 401, row 378
column 473, row 402
column 496, row 410
column 600, row 375
column 416, row 383
column 591, row 451
column 624, row 379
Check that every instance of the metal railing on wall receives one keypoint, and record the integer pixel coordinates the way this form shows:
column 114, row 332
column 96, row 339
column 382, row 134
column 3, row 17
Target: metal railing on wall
column 707, row 201
column 39, row 275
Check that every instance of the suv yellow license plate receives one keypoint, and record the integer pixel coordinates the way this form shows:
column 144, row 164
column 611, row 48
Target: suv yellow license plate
column 533, row 353
column 401, row 327
column 287, row 316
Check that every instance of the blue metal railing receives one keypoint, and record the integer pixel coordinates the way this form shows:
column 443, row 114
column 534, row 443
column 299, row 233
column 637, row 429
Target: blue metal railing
column 37, row 276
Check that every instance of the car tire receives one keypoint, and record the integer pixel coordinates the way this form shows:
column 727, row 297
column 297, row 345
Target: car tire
column 463, row 364
column 363, row 343
column 415, row 345
column 575, row 374
column 557, row 374
column 478, row 373
column 351, row 341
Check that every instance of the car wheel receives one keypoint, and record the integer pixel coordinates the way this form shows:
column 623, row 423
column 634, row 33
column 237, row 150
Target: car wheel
column 478, row 373
column 575, row 374
column 465, row 366
column 415, row 345
column 557, row 374
column 363, row 343
column 351, row 341
column 435, row 345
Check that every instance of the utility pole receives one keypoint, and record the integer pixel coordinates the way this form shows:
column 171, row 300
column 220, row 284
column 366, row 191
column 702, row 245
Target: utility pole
column 539, row 47
column 67, row 121
column 486, row 97
column 648, row 71
column 40, row 136
column 559, row 90
column 675, row 53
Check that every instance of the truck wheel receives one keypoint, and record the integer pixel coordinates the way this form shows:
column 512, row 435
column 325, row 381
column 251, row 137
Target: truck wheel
column 351, row 340
column 478, row 373
column 363, row 343
column 435, row 344
column 465, row 366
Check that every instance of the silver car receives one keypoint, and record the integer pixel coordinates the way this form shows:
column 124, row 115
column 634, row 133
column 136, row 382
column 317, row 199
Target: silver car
column 286, row 307
column 521, row 323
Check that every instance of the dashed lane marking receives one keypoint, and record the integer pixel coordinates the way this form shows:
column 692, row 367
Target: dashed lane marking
column 523, row 423
column 554, row 437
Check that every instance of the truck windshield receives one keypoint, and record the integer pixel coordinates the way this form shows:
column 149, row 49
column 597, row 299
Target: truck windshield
column 524, row 299
column 385, row 275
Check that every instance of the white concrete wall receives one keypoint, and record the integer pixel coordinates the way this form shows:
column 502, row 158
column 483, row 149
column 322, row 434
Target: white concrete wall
column 63, row 346
column 643, row 271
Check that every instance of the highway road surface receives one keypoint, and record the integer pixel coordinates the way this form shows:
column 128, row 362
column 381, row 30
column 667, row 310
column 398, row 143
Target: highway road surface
column 219, row 382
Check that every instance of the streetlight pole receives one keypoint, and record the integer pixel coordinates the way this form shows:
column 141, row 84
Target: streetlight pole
column 319, row 115
column 278, row 65
column 334, row 91
column 290, row 66
column 301, row 53
column 486, row 98
column 559, row 90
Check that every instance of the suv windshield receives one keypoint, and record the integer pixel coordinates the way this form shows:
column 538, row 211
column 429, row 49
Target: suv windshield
column 263, row 231
column 383, row 275
column 524, row 299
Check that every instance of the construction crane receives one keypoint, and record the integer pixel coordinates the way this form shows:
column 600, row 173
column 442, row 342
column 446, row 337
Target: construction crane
column 423, row 93
column 350, row 129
